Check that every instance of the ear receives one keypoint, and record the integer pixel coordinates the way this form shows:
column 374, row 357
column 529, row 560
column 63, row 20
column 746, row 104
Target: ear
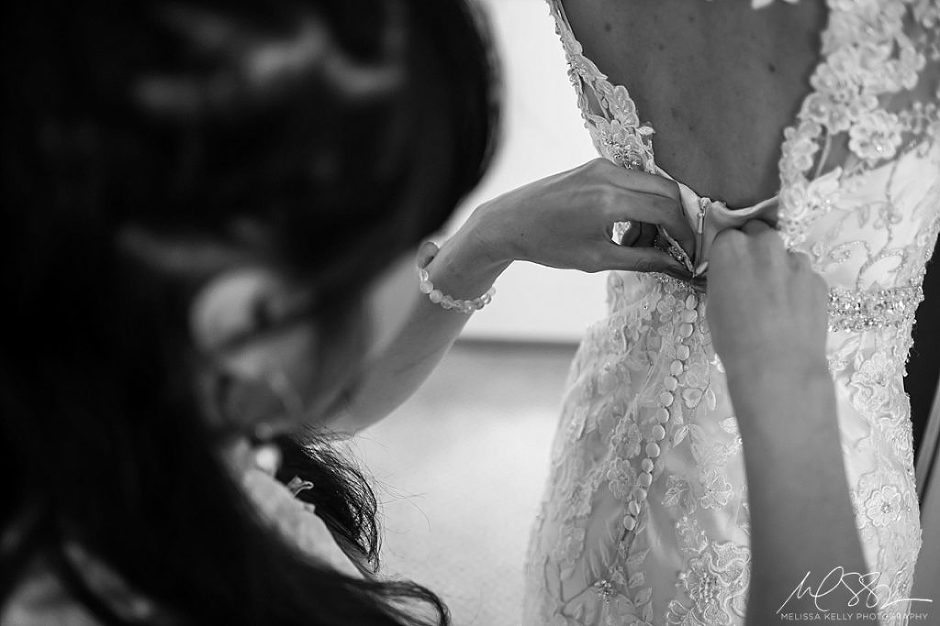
column 252, row 407
column 263, row 354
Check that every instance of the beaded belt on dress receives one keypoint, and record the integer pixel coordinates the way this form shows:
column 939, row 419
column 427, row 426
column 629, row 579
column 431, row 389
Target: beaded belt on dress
column 860, row 310
column 867, row 310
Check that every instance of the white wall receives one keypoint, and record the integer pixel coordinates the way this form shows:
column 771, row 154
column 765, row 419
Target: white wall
column 543, row 134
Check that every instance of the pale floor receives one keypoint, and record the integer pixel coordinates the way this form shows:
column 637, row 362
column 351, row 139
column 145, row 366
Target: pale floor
column 459, row 472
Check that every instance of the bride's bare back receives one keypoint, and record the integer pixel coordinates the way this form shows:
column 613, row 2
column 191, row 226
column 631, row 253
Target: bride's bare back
column 718, row 81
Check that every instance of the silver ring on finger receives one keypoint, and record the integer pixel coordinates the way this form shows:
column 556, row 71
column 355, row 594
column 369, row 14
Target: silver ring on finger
column 619, row 230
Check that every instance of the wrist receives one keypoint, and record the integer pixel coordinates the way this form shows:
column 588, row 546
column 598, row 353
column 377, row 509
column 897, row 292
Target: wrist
column 762, row 369
column 784, row 402
column 464, row 268
column 487, row 234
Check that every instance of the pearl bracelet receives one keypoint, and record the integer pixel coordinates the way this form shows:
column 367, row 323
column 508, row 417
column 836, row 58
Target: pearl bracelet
column 437, row 297
column 425, row 286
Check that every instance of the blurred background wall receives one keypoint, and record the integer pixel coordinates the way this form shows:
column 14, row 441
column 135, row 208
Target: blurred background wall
column 542, row 134
column 461, row 466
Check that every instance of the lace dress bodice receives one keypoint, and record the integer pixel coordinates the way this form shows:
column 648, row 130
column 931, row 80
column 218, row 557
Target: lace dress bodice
column 645, row 517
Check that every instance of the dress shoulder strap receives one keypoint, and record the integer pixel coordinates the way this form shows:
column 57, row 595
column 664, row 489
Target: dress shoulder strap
column 608, row 110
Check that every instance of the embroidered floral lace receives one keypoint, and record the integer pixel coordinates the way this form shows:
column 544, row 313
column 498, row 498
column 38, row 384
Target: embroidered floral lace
column 645, row 517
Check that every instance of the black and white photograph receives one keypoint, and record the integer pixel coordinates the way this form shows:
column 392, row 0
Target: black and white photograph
column 470, row 313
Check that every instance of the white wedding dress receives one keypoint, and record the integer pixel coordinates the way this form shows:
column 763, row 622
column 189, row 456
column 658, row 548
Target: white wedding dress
column 645, row 517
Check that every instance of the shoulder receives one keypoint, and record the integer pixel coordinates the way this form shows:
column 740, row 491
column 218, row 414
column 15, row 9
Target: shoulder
column 296, row 520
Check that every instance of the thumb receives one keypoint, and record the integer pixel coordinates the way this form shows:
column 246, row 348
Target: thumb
column 426, row 253
column 642, row 260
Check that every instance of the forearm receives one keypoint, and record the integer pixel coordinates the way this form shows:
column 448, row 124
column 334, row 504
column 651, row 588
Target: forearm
column 802, row 519
column 560, row 221
column 464, row 268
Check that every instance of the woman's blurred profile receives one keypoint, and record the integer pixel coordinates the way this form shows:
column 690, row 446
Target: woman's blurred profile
column 197, row 194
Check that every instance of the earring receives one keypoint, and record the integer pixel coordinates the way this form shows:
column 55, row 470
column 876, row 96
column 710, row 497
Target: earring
column 267, row 458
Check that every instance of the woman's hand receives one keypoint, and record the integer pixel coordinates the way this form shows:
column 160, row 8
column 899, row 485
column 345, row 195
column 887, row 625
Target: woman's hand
column 565, row 221
column 766, row 308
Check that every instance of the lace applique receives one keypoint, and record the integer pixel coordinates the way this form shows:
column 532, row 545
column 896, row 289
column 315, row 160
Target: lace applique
column 608, row 110
column 870, row 383
column 882, row 505
column 868, row 56
column 887, row 517
column 715, row 583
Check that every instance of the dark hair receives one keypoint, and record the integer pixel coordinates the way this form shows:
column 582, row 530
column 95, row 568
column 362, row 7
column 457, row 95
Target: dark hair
column 117, row 118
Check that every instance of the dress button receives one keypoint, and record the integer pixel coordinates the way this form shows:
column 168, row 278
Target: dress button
column 659, row 433
column 652, row 450
column 647, row 465
column 666, row 398
column 645, row 480
column 676, row 368
column 634, row 508
column 662, row 415
column 691, row 302
column 629, row 522
column 685, row 330
column 683, row 352
column 670, row 383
